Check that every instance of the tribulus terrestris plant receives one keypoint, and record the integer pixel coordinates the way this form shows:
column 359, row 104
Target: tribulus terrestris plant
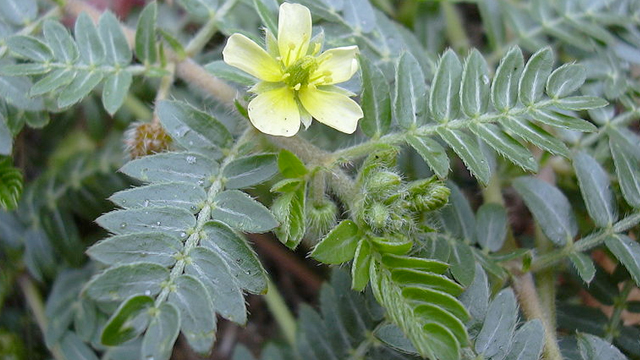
column 470, row 171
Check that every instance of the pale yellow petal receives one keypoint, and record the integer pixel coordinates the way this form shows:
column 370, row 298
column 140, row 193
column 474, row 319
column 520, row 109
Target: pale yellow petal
column 246, row 55
column 275, row 112
column 336, row 65
column 330, row 108
column 294, row 32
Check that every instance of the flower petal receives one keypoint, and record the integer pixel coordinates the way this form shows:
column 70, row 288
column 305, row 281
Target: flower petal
column 331, row 108
column 336, row 65
column 246, row 55
column 275, row 112
column 294, row 32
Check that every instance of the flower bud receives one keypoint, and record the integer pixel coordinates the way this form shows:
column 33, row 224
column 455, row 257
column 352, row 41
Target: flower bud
column 144, row 139
column 321, row 217
column 377, row 216
column 428, row 194
column 381, row 183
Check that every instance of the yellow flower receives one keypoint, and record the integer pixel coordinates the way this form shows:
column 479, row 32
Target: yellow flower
column 297, row 82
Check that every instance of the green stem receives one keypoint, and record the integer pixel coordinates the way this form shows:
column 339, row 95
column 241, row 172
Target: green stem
column 209, row 29
column 619, row 306
column 281, row 313
column 454, row 27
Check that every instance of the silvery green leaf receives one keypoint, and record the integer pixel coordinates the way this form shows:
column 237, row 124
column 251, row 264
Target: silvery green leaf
column 197, row 317
column 193, row 129
column 409, row 107
column 241, row 212
column 58, row 38
column 30, row 48
column 627, row 251
column 432, row 152
column 476, row 297
column 595, row 188
column 595, row 348
column 72, row 347
column 18, row 12
column 584, row 266
column 171, row 220
column 65, row 290
column 115, row 90
column 244, row 265
column 172, row 167
column 6, row 138
column 467, row 148
column 580, row 103
column 146, row 50
column 458, row 217
column 227, row 72
column 527, row 342
column 505, row 145
column 474, row 91
column 158, row 248
column 53, row 81
column 250, row 170
column 88, row 39
column 628, row 171
column 444, row 95
column 128, row 321
column 495, row 337
column 549, row 207
column 376, row 100
column 460, row 258
column 211, row 270
column 393, row 336
column 504, row 89
column 15, row 90
column 534, row 76
column 85, row 320
column 183, row 195
column 79, row 88
column 565, row 80
column 492, row 18
column 24, row 69
column 536, row 135
column 359, row 15
column 162, row 333
column 119, row 283
column 116, row 47
column 491, row 226
column 556, row 119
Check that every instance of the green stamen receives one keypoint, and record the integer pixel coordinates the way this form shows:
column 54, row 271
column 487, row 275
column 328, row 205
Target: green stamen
column 299, row 72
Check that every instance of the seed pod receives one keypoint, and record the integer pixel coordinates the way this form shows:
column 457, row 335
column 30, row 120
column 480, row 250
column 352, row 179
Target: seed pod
column 144, row 139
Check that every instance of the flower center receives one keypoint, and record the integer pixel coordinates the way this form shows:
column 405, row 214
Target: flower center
column 298, row 74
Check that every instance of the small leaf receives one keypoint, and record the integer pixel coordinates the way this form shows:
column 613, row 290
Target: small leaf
column 162, row 333
column 581, row 103
column 565, row 80
column 442, row 341
column 393, row 336
column 289, row 210
column 594, row 185
column 375, row 100
column 19, row 12
column 250, row 170
column 627, row 251
column 182, row 195
column 359, row 14
column 474, row 92
column 115, row 90
column 339, row 246
column 116, row 45
column 119, row 283
column 409, row 109
column 89, row 43
column 72, row 347
column 534, row 76
column 584, row 266
column 241, row 212
column 198, row 321
column 146, row 34
column 421, row 294
column 157, row 248
column 15, row 91
column 549, row 207
column 290, row 166
column 432, row 153
column 408, row 262
column 466, row 147
column 79, row 88
column 171, row 220
column 476, row 296
column 460, row 258
column 595, row 348
column 411, row 277
column 24, row 69
column 494, row 339
column 58, row 38
column 52, row 81
column 628, row 171
column 444, row 97
column 193, row 129
column 361, row 266
column 504, row 89
column 128, row 321
column 536, row 135
column 438, row 315
column 505, row 145
column 172, row 167
column 491, row 226
column 11, row 183
column 458, row 217
column 30, row 48
column 527, row 342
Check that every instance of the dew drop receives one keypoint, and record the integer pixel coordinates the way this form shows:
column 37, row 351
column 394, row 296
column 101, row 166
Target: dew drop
column 191, row 159
column 147, row 292
column 200, row 182
column 158, row 223
column 485, row 79
column 124, row 201
column 146, row 203
column 183, row 234
column 182, row 131
column 123, row 225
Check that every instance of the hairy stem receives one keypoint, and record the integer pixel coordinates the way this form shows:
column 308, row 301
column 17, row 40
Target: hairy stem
column 281, row 313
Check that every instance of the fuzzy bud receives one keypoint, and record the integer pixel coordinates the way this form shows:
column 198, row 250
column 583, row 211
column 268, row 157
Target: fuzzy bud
column 381, row 183
column 321, row 217
column 144, row 139
column 428, row 194
column 377, row 216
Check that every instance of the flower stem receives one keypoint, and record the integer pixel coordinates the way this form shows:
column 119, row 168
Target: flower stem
column 281, row 313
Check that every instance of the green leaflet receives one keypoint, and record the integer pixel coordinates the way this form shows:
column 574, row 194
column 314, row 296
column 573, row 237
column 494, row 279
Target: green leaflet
column 157, row 248
column 504, row 88
column 171, row 220
column 146, row 50
column 467, row 148
column 627, row 251
column 250, row 170
column 594, row 185
column 376, row 100
column 128, row 321
column 528, row 342
column 11, row 182
column 121, row 282
column 444, row 94
column 190, row 168
column 162, row 333
column 432, row 152
column 339, row 245
column 505, row 145
column 72, row 347
column 474, row 91
column 491, row 226
column 565, row 80
column 115, row 90
column 117, row 49
column 58, row 38
column 79, row 88
column 241, row 212
column 90, row 47
column 30, row 48
column 593, row 348
column 628, row 172
column 584, row 266
column 409, row 109
column 534, row 76
column 494, row 339
column 176, row 194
